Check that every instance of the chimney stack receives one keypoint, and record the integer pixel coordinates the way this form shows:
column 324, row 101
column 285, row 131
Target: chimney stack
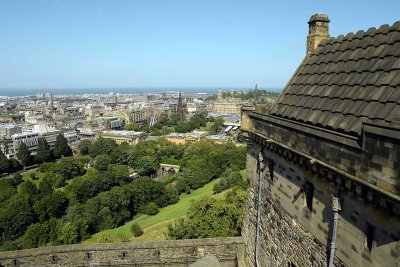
column 318, row 30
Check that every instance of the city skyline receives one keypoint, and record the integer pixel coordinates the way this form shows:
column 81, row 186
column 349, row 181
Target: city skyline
column 69, row 44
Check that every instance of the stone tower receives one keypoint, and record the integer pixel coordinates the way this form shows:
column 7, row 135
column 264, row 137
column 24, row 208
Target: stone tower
column 318, row 30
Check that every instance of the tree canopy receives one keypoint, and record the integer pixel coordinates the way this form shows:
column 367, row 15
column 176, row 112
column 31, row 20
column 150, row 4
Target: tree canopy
column 68, row 200
column 210, row 217
column 23, row 154
column 4, row 163
column 61, row 147
column 132, row 127
column 43, row 152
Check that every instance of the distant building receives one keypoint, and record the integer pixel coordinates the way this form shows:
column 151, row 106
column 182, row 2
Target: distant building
column 7, row 146
column 130, row 137
column 93, row 112
column 114, row 124
column 196, row 107
column 43, row 127
column 231, row 106
column 7, row 130
column 87, row 134
column 50, row 137
column 33, row 118
column 184, row 138
column 135, row 116
column 71, row 136
column 31, row 140
column 220, row 139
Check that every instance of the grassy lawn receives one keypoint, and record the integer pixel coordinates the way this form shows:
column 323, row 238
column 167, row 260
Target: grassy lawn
column 154, row 226
column 39, row 176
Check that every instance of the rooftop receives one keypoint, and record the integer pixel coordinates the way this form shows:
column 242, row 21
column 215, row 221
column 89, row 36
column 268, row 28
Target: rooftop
column 121, row 133
column 219, row 137
column 347, row 81
column 191, row 134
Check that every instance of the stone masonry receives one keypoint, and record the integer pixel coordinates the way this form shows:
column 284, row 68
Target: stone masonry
column 172, row 253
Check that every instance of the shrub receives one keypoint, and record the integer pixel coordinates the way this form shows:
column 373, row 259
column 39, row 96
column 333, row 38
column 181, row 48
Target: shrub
column 17, row 179
column 136, row 230
column 106, row 238
column 151, row 209
column 33, row 176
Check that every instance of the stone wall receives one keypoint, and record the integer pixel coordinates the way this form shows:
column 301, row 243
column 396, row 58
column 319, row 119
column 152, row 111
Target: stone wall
column 293, row 233
column 374, row 159
column 171, row 253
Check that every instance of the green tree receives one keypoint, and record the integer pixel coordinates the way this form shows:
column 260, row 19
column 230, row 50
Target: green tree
column 61, row 147
column 7, row 190
column 29, row 191
column 69, row 168
column 15, row 218
column 102, row 162
column 151, row 209
column 40, row 234
column 52, row 205
column 69, row 233
column 45, row 187
column 146, row 165
column 102, row 146
column 145, row 190
column 131, row 127
column 4, row 163
column 15, row 165
column 217, row 125
column 210, row 217
column 120, row 155
column 16, row 179
column 105, row 219
column 182, row 185
column 119, row 172
column 23, row 154
column 230, row 180
column 84, row 147
column 35, row 235
column 43, row 152
column 136, row 230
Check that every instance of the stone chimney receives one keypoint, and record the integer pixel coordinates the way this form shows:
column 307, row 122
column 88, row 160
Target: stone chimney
column 318, row 30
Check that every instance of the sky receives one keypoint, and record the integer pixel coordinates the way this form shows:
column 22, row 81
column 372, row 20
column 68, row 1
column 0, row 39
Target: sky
column 167, row 43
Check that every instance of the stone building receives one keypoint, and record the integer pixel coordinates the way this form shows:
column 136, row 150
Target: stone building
column 322, row 166
column 231, row 106
column 135, row 116
column 186, row 138
column 130, row 137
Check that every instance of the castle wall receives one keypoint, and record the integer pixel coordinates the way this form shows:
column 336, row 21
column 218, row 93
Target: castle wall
column 375, row 160
column 292, row 234
column 171, row 253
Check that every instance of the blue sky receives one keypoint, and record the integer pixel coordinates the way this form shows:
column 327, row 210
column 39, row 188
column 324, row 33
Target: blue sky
column 152, row 43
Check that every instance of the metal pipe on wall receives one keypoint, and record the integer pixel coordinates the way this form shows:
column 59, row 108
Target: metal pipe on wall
column 336, row 208
column 261, row 167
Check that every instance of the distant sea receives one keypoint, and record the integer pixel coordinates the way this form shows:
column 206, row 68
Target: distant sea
column 81, row 91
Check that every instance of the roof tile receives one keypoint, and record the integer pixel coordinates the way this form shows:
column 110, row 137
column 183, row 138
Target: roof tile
column 346, row 81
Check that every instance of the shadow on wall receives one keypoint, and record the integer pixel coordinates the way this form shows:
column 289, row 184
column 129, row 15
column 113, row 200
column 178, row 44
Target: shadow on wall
column 307, row 196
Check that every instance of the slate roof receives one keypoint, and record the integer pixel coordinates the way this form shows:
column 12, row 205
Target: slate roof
column 346, row 81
